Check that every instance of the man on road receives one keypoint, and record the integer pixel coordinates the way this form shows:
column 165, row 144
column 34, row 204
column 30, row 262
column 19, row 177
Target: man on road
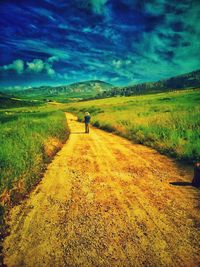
column 87, row 122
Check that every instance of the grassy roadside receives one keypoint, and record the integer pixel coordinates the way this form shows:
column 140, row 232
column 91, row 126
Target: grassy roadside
column 29, row 140
column 30, row 136
column 168, row 122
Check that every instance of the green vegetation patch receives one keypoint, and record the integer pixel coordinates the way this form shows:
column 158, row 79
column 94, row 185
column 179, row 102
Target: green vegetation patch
column 29, row 139
column 8, row 102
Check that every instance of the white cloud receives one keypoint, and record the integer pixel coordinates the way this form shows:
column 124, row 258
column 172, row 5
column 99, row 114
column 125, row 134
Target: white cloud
column 53, row 59
column 16, row 65
column 47, row 47
column 118, row 63
column 50, row 71
column 115, row 79
column 37, row 65
column 87, row 29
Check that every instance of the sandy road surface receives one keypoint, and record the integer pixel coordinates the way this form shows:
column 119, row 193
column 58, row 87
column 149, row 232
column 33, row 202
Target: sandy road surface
column 106, row 202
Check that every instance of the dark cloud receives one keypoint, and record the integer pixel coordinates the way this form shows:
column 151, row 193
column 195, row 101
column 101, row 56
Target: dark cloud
column 120, row 41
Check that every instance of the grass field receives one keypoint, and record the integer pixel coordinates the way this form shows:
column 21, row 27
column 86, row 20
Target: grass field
column 59, row 98
column 30, row 137
column 169, row 122
column 6, row 102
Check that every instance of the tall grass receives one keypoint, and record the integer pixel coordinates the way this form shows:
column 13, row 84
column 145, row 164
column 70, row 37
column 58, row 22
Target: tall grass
column 28, row 141
column 169, row 122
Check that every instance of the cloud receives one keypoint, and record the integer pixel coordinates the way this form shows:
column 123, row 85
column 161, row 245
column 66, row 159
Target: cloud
column 16, row 65
column 37, row 65
column 117, row 63
column 98, row 5
column 53, row 59
column 155, row 7
column 48, row 47
column 72, row 40
column 49, row 69
column 40, row 66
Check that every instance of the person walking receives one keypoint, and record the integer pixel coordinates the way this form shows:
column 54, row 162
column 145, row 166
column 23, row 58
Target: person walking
column 87, row 122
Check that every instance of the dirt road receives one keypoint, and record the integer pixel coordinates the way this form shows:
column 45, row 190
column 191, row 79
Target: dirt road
column 104, row 201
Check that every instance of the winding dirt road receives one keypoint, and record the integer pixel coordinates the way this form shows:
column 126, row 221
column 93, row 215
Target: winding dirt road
column 104, row 201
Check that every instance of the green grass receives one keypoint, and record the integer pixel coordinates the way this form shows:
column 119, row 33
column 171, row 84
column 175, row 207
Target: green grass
column 169, row 122
column 9, row 102
column 62, row 98
column 30, row 136
column 29, row 139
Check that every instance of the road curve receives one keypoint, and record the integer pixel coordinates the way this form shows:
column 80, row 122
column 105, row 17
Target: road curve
column 104, row 201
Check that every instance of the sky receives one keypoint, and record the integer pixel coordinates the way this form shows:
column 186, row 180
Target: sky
column 122, row 42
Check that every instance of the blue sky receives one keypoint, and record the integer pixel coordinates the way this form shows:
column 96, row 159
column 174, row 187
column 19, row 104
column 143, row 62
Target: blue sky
column 117, row 41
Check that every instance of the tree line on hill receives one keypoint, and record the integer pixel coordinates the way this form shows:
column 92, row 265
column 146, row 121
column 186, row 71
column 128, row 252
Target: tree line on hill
column 181, row 82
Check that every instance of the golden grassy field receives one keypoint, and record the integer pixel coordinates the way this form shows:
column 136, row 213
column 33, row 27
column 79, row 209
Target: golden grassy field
column 169, row 122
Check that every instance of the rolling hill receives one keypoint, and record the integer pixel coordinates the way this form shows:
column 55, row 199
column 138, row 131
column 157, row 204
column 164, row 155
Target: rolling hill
column 180, row 82
column 8, row 101
column 99, row 89
column 75, row 90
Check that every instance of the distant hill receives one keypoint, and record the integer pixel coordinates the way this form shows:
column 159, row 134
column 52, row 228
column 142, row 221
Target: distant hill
column 7, row 101
column 80, row 90
column 99, row 89
column 180, row 82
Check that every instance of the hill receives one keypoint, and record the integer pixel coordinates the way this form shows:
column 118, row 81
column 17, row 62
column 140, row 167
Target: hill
column 75, row 90
column 180, row 82
column 7, row 101
column 99, row 89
